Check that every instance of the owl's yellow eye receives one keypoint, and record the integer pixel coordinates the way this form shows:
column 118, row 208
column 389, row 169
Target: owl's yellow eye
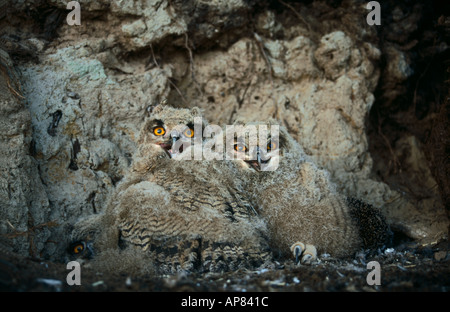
column 159, row 131
column 272, row 146
column 189, row 133
column 240, row 148
column 78, row 248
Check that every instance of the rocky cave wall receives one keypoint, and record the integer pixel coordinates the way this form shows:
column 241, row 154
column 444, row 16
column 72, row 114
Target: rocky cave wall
column 316, row 66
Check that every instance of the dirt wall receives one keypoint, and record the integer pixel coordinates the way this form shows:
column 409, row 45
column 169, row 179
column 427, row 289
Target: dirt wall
column 342, row 87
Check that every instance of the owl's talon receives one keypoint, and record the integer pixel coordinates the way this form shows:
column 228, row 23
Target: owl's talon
column 308, row 253
column 306, row 259
column 297, row 249
column 298, row 252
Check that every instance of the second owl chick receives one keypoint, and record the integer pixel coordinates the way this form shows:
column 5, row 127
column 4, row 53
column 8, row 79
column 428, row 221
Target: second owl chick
column 303, row 211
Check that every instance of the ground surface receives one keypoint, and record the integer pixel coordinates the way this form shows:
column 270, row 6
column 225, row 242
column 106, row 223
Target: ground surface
column 406, row 269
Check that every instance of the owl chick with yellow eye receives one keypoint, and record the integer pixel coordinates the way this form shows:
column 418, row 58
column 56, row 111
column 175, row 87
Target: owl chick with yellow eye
column 304, row 213
column 185, row 215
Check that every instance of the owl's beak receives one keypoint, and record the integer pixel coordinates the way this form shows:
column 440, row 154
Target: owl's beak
column 254, row 165
column 174, row 139
column 170, row 146
column 258, row 156
column 257, row 164
column 175, row 148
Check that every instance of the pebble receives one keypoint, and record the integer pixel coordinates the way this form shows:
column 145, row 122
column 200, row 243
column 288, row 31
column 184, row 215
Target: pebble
column 98, row 283
column 73, row 95
column 440, row 255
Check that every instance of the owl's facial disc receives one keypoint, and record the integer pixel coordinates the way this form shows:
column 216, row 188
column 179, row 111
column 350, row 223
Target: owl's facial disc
column 174, row 142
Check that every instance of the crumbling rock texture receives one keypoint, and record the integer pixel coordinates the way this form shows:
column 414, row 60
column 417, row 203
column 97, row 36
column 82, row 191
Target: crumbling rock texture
column 24, row 204
column 317, row 67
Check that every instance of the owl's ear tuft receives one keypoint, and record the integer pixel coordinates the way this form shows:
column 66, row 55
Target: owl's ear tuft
column 197, row 111
column 156, row 108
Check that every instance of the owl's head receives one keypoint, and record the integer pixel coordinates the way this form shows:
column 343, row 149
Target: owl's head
column 172, row 130
column 257, row 146
column 84, row 237
column 90, row 236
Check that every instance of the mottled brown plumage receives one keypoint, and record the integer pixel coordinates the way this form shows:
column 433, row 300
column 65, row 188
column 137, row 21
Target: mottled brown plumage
column 302, row 208
column 184, row 214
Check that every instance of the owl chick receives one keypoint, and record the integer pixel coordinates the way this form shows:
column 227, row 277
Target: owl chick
column 303, row 211
column 186, row 214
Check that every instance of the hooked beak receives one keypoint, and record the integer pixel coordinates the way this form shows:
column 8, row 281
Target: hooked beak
column 258, row 156
column 174, row 148
column 174, row 139
column 257, row 164
column 169, row 146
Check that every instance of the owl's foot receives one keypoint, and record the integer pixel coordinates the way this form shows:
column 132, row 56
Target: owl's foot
column 308, row 253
